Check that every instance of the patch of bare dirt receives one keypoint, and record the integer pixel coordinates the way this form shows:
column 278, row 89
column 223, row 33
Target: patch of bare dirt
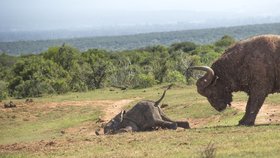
column 110, row 108
column 269, row 113
column 38, row 146
column 200, row 122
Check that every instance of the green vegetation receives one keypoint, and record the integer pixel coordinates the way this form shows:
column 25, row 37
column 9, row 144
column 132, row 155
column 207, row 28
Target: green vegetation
column 66, row 69
column 202, row 36
column 42, row 130
column 68, row 86
column 23, row 124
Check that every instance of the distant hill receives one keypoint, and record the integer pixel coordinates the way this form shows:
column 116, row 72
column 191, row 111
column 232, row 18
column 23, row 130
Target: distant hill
column 201, row 36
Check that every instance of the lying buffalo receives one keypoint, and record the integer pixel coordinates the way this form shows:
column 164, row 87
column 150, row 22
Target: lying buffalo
column 144, row 116
column 252, row 66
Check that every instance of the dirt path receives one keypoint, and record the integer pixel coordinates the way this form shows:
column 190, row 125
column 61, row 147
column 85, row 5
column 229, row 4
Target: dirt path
column 114, row 108
column 109, row 107
column 269, row 113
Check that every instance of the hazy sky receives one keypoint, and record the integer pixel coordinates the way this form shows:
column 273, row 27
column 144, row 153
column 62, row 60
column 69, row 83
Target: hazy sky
column 76, row 13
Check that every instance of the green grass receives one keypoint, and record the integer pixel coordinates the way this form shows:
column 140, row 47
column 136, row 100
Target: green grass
column 16, row 126
column 261, row 141
column 184, row 103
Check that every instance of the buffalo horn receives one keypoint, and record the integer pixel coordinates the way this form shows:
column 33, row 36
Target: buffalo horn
column 206, row 80
column 122, row 114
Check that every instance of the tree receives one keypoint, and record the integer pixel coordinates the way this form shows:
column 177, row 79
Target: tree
column 35, row 76
column 144, row 81
column 70, row 60
column 65, row 56
column 98, row 67
column 7, row 60
column 175, row 76
column 123, row 72
column 225, row 42
column 183, row 46
column 3, row 90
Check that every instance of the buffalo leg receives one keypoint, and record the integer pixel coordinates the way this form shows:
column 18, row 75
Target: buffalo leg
column 166, row 124
column 252, row 108
column 182, row 124
column 131, row 127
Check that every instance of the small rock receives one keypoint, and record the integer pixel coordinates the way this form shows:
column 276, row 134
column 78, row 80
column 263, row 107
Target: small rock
column 28, row 100
column 51, row 143
column 9, row 105
column 97, row 132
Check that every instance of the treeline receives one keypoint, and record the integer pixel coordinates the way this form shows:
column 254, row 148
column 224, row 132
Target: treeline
column 63, row 69
column 117, row 43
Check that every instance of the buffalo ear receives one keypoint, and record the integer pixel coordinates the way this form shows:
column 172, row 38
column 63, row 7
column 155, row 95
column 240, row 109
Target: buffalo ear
column 215, row 80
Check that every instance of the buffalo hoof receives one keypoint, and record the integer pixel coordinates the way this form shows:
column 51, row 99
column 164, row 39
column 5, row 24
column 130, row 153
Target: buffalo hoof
column 245, row 123
column 173, row 126
column 184, row 125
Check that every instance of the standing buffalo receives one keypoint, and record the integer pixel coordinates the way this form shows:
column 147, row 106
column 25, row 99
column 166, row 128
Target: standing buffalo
column 145, row 115
column 252, row 66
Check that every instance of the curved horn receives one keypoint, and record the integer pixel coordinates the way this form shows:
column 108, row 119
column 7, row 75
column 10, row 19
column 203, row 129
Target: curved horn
column 122, row 115
column 207, row 79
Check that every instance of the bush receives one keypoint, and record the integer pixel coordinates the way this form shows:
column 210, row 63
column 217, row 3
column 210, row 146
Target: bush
column 60, row 86
column 3, row 90
column 144, row 81
column 32, row 88
column 225, row 41
column 183, row 46
column 175, row 76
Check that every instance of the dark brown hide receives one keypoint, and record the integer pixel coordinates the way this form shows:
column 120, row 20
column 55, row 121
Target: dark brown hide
column 145, row 115
column 252, row 66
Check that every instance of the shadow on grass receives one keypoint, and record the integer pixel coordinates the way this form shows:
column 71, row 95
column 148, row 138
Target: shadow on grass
column 231, row 126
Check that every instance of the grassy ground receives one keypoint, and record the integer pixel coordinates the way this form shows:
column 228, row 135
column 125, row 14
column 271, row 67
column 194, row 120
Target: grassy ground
column 38, row 130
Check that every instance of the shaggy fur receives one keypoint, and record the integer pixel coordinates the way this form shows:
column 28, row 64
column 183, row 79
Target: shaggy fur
column 252, row 66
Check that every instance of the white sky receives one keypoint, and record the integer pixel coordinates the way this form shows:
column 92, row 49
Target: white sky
column 26, row 12
column 141, row 5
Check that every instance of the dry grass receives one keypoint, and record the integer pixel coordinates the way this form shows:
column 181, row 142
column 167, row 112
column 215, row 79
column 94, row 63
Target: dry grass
column 40, row 129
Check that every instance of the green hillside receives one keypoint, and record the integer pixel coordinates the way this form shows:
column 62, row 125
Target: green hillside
column 141, row 40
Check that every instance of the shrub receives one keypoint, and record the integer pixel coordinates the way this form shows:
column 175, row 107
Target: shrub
column 209, row 151
column 144, row 81
column 32, row 88
column 60, row 86
column 225, row 41
column 3, row 90
column 175, row 76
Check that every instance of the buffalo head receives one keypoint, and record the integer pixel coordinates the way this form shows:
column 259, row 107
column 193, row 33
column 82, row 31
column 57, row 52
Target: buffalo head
column 214, row 88
column 114, row 124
